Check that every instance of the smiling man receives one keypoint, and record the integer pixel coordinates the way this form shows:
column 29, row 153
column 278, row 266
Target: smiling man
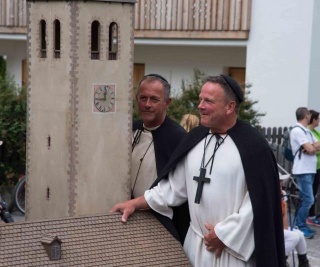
column 155, row 137
column 228, row 174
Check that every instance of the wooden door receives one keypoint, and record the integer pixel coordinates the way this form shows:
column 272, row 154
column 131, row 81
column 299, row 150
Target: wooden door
column 239, row 74
column 138, row 73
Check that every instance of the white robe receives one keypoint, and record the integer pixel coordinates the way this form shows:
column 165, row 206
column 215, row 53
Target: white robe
column 144, row 170
column 225, row 203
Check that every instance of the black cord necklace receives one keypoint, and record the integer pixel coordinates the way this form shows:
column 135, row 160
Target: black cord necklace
column 136, row 138
column 201, row 179
column 219, row 141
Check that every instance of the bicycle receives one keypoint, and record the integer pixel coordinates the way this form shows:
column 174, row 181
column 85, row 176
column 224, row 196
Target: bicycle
column 18, row 200
column 292, row 193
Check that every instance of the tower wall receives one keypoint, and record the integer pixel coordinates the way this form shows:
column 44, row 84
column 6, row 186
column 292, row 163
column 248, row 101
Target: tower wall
column 78, row 159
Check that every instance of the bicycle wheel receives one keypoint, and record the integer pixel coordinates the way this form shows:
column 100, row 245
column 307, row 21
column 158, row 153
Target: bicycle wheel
column 19, row 195
column 293, row 191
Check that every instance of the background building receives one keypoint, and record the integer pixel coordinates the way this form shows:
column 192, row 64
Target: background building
column 270, row 45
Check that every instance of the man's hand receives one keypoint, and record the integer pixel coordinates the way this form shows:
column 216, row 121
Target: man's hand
column 212, row 242
column 128, row 207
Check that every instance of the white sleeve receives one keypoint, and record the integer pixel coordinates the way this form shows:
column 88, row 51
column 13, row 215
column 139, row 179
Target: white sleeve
column 169, row 192
column 236, row 231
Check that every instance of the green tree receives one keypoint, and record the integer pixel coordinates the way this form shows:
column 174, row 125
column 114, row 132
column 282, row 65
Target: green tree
column 189, row 99
column 12, row 130
column 247, row 112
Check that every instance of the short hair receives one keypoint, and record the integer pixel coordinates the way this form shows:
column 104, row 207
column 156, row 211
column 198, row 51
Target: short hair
column 229, row 92
column 301, row 113
column 314, row 115
column 156, row 77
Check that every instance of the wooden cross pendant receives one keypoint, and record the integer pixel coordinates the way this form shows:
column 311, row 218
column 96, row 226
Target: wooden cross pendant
column 201, row 180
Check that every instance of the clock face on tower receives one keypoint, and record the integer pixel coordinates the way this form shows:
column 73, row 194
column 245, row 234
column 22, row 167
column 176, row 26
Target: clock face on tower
column 103, row 98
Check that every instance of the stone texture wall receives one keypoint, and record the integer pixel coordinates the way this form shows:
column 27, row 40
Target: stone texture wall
column 78, row 160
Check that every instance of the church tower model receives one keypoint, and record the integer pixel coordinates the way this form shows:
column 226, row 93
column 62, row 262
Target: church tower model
column 80, row 62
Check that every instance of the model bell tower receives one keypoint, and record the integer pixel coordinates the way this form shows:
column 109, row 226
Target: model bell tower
column 80, row 61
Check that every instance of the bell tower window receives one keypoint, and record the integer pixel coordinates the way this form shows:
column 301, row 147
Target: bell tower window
column 57, row 38
column 113, row 41
column 95, row 31
column 43, row 39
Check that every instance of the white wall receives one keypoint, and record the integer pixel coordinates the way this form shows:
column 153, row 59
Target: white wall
column 278, row 58
column 178, row 62
column 15, row 50
column 314, row 78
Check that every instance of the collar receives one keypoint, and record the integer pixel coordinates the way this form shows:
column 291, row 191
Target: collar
column 152, row 128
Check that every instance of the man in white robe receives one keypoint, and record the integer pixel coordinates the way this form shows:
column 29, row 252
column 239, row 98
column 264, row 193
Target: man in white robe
column 231, row 225
column 231, row 217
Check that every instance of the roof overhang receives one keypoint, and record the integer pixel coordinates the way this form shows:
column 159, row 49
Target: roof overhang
column 190, row 42
column 13, row 37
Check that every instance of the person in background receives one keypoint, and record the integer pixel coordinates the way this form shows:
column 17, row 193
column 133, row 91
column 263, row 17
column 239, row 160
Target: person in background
column 155, row 137
column 189, row 121
column 313, row 123
column 228, row 174
column 293, row 238
column 304, row 147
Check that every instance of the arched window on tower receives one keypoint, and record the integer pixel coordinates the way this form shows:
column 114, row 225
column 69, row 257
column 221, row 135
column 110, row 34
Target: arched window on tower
column 113, row 41
column 57, row 38
column 95, row 32
column 43, row 39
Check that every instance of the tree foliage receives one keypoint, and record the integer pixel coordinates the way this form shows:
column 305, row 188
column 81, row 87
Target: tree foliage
column 12, row 130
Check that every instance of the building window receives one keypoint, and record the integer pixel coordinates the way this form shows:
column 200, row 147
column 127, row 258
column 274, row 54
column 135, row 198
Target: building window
column 52, row 245
column 43, row 39
column 55, row 251
column 113, row 41
column 95, row 30
column 57, row 38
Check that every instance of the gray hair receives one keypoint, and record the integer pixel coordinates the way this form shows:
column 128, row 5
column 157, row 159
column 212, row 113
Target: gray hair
column 155, row 77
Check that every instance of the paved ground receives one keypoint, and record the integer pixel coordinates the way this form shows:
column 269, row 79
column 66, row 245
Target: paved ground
column 314, row 249
column 313, row 245
column 313, row 253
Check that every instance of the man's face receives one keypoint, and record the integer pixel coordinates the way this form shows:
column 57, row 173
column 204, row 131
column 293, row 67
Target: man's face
column 151, row 103
column 212, row 107
column 307, row 117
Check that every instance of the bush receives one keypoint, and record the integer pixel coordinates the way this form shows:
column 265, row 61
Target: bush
column 12, row 130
